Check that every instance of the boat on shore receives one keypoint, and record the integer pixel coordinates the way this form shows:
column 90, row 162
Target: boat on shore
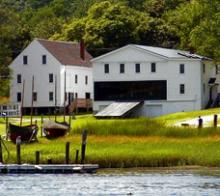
column 27, row 133
column 54, row 129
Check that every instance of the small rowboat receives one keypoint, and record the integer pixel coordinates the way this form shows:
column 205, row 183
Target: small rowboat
column 27, row 133
column 55, row 129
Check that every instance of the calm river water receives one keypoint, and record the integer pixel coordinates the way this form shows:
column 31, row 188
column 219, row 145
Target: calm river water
column 113, row 183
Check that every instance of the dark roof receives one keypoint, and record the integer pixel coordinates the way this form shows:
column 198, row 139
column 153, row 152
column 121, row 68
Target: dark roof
column 67, row 53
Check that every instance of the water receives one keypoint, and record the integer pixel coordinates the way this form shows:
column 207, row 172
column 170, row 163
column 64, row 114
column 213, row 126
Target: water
column 126, row 183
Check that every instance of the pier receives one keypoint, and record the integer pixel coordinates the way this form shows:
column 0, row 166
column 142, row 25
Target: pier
column 47, row 168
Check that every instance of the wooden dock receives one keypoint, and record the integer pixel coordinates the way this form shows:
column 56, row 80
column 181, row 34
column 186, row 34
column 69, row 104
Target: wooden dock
column 47, row 169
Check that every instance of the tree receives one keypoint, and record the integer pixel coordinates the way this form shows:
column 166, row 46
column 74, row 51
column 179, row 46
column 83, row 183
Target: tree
column 197, row 24
column 108, row 25
column 8, row 27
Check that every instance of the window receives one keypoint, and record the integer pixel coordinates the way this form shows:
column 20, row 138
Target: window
column 122, row 68
column 76, row 79
column 25, row 60
column 137, row 68
column 182, row 68
column 86, row 79
column 76, row 95
column 203, row 67
column 153, row 67
column 106, row 68
column 87, row 95
column 50, row 96
column 44, row 59
column 182, row 88
column 34, row 96
column 18, row 97
column 50, row 78
column 19, row 78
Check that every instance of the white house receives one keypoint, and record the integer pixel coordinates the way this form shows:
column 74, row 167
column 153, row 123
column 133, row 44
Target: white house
column 57, row 67
column 164, row 80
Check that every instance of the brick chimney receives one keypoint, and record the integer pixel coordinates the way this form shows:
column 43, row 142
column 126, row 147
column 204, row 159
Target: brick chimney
column 82, row 50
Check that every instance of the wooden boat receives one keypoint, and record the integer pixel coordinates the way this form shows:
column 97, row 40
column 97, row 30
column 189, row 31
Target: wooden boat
column 27, row 133
column 55, row 129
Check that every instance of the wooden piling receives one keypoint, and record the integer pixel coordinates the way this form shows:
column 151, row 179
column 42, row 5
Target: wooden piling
column 77, row 157
column 18, row 149
column 67, row 152
column 37, row 157
column 49, row 161
column 215, row 120
column 1, row 156
column 200, row 122
column 83, row 148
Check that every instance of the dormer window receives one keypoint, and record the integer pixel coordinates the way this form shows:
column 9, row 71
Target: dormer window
column 25, row 60
column 44, row 59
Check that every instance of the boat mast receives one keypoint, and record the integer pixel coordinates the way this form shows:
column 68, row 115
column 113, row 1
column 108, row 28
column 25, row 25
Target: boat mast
column 22, row 102
column 64, row 105
column 55, row 97
column 32, row 99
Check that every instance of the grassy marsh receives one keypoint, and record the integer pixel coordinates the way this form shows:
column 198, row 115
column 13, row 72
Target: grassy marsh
column 139, row 142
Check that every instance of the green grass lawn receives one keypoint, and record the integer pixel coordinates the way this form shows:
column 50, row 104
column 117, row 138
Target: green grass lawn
column 128, row 143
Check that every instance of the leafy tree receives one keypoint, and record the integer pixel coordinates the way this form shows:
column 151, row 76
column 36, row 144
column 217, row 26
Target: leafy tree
column 197, row 24
column 109, row 25
column 8, row 29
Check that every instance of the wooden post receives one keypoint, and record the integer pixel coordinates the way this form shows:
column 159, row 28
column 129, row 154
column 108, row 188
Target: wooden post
column 67, row 152
column 6, row 127
column 1, row 156
column 41, row 128
column 18, row 147
column 200, row 123
column 215, row 121
column 83, row 149
column 49, row 161
column 77, row 157
column 37, row 156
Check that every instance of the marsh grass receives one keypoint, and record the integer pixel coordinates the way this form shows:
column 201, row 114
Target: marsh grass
column 139, row 127
column 142, row 142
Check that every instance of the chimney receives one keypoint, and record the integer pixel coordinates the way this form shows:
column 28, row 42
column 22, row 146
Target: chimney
column 82, row 50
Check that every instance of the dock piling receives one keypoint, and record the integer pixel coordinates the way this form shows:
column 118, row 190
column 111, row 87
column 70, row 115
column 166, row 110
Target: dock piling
column 83, row 149
column 77, row 157
column 37, row 156
column 215, row 120
column 18, row 149
column 67, row 152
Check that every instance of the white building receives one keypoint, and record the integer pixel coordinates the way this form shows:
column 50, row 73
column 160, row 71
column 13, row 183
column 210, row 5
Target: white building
column 49, row 62
column 165, row 80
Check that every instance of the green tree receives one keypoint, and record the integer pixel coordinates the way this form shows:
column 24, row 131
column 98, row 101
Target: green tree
column 109, row 25
column 197, row 24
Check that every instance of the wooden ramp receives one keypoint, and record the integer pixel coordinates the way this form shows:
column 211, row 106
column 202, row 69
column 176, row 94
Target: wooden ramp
column 47, row 169
column 119, row 109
